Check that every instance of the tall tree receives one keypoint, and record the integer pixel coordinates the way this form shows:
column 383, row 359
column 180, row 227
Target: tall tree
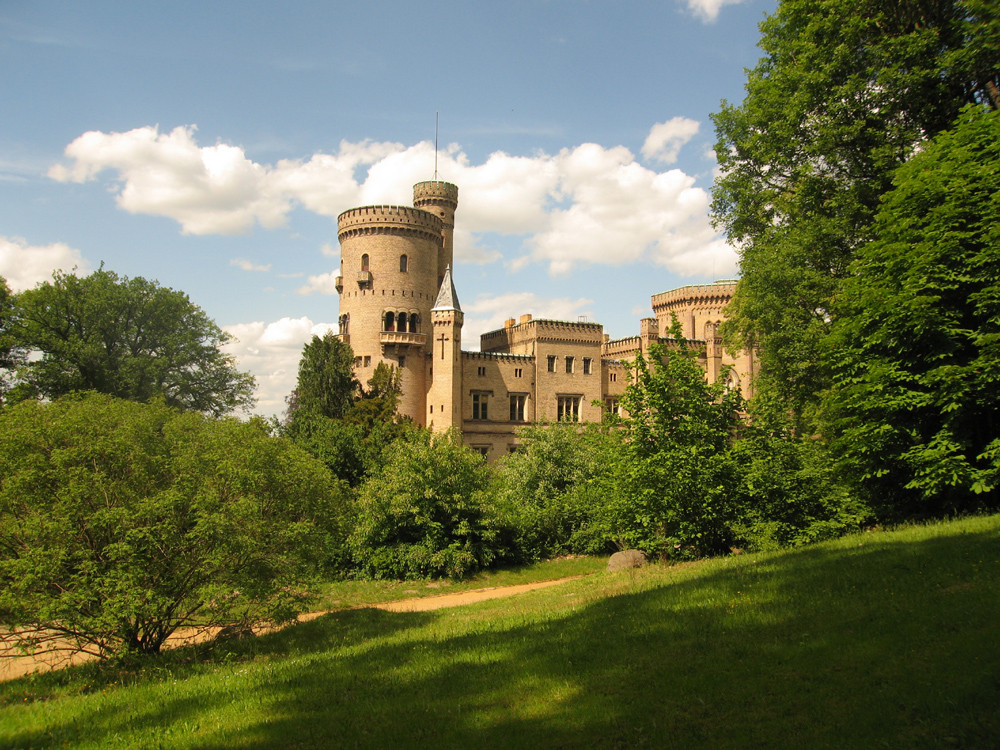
column 846, row 92
column 915, row 349
column 129, row 338
column 326, row 385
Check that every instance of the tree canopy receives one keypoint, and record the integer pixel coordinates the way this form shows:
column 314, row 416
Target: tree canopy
column 129, row 338
column 326, row 386
column 12, row 354
column 915, row 406
column 845, row 93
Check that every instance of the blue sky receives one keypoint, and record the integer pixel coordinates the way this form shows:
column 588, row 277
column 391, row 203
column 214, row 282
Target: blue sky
column 210, row 146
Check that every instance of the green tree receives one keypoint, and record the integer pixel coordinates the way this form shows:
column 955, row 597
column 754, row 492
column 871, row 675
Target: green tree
column 12, row 354
column 427, row 513
column 121, row 522
column 845, row 93
column 129, row 338
column 676, row 479
column 915, row 409
column 326, row 385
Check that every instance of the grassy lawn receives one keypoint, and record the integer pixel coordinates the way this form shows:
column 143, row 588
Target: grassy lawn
column 878, row 640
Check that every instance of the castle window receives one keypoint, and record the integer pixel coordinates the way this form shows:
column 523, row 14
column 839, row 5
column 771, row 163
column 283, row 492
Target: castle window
column 481, row 371
column 517, row 407
column 402, row 263
column 613, row 377
column 482, row 450
column 402, row 322
column 368, row 361
column 517, row 372
column 402, row 361
column 364, row 262
column 569, row 364
column 479, row 404
column 552, row 363
column 414, row 318
column 611, row 406
column 568, row 408
column 586, row 365
column 390, row 322
column 344, row 323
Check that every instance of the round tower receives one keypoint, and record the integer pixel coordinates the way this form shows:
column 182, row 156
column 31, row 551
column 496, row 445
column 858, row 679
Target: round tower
column 441, row 199
column 388, row 284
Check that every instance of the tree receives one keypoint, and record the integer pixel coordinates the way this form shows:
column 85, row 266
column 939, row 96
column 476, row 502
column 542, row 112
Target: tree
column 846, row 92
column 121, row 522
column 915, row 409
column 427, row 513
column 12, row 355
column 676, row 480
column 326, row 385
column 129, row 338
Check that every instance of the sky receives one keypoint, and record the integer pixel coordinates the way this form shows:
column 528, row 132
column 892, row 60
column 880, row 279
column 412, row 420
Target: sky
column 210, row 146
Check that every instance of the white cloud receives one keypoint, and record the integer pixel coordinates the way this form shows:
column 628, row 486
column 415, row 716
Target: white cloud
column 247, row 265
column 708, row 10
column 271, row 352
column 324, row 283
column 25, row 265
column 585, row 205
column 666, row 139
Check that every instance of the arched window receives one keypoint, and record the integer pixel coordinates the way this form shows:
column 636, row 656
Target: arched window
column 390, row 322
column 345, row 322
column 402, row 322
column 402, row 263
column 414, row 319
column 364, row 262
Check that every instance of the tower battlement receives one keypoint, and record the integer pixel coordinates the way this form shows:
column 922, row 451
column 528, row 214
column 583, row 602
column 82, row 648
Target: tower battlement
column 376, row 218
column 435, row 191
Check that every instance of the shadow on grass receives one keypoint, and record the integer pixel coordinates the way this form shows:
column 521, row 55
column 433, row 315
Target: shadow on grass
column 883, row 644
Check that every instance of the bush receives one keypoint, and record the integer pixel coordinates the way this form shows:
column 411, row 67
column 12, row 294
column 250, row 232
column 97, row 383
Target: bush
column 548, row 493
column 427, row 513
column 120, row 522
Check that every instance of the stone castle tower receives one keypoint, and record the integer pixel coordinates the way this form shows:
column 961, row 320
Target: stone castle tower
column 394, row 261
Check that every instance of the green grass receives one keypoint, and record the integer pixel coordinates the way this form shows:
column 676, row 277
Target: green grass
column 877, row 640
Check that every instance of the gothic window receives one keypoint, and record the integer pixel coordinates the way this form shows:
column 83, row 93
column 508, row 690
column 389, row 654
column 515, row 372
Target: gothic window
column 402, row 263
column 390, row 322
column 402, row 322
column 344, row 323
column 364, row 262
column 568, row 408
column 414, row 318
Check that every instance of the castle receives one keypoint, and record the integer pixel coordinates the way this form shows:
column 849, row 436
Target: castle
column 398, row 305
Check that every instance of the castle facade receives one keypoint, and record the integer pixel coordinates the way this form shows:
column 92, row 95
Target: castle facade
column 398, row 305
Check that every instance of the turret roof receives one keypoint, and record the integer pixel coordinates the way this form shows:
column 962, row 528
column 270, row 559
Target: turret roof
column 447, row 298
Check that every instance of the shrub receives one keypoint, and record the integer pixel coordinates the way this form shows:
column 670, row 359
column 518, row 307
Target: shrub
column 120, row 522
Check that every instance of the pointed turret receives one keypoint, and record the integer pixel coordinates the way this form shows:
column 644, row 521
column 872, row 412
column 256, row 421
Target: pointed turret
column 447, row 298
column 444, row 396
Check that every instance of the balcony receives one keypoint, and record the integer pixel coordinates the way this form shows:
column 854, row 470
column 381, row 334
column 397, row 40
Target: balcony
column 364, row 278
column 399, row 338
column 338, row 282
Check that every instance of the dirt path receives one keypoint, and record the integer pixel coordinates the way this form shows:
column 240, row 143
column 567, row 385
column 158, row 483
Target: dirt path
column 13, row 665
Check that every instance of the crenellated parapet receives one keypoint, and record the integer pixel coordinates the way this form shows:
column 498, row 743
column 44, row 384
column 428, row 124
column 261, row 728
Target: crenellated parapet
column 717, row 293
column 403, row 220
column 435, row 192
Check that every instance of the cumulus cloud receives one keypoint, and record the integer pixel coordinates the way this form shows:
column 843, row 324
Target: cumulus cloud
column 588, row 204
column 25, row 265
column 271, row 352
column 708, row 10
column 324, row 283
column 666, row 139
column 247, row 265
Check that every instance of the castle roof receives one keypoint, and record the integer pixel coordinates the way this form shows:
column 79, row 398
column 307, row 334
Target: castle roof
column 447, row 298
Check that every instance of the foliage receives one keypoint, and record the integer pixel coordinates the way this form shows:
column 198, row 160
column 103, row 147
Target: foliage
column 426, row 513
column 846, row 92
column 676, row 478
column 129, row 338
column 12, row 355
column 915, row 412
column 790, row 493
column 548, row 493
column 326, row 385
column 121, row 522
